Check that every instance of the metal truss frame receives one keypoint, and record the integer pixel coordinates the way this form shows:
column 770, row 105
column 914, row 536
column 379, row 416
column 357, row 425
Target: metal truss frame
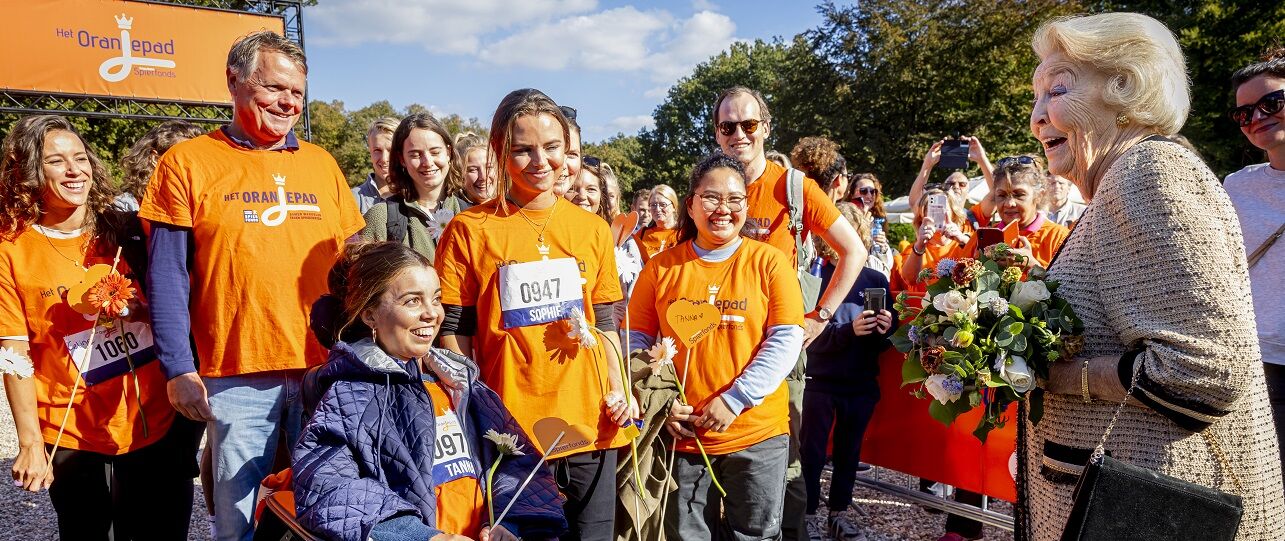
column 25, row 102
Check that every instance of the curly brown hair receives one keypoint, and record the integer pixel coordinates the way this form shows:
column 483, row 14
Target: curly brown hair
column 816, row 157
column 139, row 163
column 22, row 179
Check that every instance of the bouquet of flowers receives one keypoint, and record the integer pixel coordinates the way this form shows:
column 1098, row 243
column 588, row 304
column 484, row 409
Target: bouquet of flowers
column 982, row 336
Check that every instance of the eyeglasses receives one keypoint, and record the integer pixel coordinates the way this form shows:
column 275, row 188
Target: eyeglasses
column 710, row 201
column 1013, row 161
column 868, row 190
column 663, row 205
column 728, row 127
column 569, row 112
column 1269, row 104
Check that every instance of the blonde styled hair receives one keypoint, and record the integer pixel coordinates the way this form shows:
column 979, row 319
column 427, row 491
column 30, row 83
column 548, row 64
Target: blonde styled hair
column 1147, row 76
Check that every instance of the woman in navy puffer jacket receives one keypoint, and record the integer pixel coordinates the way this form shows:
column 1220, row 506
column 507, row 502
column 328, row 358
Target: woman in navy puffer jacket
column 395, row 450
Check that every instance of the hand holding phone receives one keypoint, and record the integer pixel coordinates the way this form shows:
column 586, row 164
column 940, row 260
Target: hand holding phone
column 954, row 154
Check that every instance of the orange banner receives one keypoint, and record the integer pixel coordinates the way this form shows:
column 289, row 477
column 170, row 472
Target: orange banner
column 901, row 436
column 122, row 49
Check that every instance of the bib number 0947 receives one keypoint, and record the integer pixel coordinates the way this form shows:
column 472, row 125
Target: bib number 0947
column 540, row 290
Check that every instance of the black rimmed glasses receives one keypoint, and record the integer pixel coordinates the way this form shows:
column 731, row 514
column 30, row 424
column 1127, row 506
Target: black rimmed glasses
column 749, row 126
column 710, row 201
column 868, row 190
column 1270, row 104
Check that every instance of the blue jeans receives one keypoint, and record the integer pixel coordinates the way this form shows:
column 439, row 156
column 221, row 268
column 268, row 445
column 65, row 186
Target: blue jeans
column 251, row 412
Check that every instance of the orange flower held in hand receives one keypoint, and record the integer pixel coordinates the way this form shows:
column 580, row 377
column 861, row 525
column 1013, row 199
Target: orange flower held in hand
column 111, row 295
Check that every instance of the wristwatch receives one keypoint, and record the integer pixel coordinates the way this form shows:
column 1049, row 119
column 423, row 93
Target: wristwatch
column 824, row 313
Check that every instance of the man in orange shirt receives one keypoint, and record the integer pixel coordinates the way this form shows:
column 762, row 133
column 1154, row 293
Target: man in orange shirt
column 742, row 123
column 246, row 222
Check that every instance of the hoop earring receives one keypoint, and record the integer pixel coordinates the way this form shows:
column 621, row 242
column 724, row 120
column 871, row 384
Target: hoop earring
column 1121, row 120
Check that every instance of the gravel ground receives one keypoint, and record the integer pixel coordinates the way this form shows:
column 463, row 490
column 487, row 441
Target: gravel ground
column 25, row 516
column 29, row 517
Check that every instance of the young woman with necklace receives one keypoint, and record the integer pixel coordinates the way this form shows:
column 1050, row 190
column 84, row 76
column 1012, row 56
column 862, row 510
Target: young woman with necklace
column 529, row 284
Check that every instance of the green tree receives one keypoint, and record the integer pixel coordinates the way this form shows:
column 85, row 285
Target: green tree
column 921, row 70
column 1218, row 37
column 622, row 152
column 684, row 131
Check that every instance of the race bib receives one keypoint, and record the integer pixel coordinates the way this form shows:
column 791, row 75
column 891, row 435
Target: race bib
column 539, row 291
column 112, row 351
column 451, row 457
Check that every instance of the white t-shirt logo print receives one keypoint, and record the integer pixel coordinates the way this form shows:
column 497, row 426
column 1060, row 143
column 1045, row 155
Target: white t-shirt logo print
column 276, row 214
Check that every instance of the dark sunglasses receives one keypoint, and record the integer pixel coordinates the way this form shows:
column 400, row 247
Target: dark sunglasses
column 867, row 191
column 592, row 161
column 1269, row 104
column 728, row 127
column 568, row 112
column 1014, row 161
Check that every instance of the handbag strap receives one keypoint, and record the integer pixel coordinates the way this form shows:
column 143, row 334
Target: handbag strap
column 1207, row 434
column 1259, row 252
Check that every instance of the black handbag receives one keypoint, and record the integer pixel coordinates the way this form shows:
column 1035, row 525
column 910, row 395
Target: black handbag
column 1118, row 501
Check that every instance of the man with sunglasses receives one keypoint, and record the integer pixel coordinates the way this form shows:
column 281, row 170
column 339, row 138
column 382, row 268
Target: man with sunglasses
column 1256, row 193
column 742, row 124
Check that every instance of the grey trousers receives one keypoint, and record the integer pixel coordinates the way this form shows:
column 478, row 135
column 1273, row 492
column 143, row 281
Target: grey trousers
column 752, row 509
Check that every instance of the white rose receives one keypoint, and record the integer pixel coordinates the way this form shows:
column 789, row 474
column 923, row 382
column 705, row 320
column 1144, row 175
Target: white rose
column 1017, row 373
column 1026, row 294
column 953, row 301
column 937, row 387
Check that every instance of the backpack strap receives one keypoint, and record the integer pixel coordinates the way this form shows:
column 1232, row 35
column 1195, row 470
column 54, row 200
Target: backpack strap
column 794, row 199
column 398, row 222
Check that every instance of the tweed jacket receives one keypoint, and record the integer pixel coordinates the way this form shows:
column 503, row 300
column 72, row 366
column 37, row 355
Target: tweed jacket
column 1156, row 270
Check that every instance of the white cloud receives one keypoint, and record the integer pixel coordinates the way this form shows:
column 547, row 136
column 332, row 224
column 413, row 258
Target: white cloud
column 440, row 26
column 704, row 5
column 552, row 35
column 630, row 125
column 612, row 40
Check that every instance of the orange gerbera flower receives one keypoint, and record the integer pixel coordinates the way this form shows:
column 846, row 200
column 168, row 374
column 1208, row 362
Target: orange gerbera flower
column 111, row 294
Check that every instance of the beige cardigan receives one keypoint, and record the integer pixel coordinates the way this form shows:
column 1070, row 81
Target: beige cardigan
column 1156, row 269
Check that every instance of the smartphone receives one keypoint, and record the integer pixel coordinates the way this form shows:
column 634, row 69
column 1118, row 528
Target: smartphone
column 954, row 154
column 937, row 209
column 876, row 299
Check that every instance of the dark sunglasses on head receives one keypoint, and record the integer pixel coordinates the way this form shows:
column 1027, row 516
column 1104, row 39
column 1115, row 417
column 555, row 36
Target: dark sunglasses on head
column 1269, row 104
column 592, row 161
column 868, row 190
column 568, row 112
column 1013, row 161
column 728, row 127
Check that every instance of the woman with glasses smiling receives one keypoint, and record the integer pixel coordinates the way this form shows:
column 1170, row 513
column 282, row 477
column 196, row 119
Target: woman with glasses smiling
column 734, row 398
column 663, row 234
column 1256, row 193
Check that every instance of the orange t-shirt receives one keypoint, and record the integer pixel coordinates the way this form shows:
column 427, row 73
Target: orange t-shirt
column 768, row 215
column 655, row 240
column 105, row 417
column 459, row 496
column 537, row 370
column 933, row 253
column 1045, row 236
column 758, row 290
column 266, row 225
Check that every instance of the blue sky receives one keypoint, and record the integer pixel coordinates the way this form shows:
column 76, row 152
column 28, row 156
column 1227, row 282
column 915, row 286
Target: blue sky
column 611, row 60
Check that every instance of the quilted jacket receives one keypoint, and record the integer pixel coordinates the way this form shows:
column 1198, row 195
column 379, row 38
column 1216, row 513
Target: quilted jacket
column 366, row 455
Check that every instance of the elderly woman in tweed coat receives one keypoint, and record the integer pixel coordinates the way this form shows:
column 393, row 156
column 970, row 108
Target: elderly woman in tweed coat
column 1156, row 270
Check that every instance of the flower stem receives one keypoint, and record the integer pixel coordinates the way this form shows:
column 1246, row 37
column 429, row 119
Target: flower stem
column 682, row 394
column 490, row 495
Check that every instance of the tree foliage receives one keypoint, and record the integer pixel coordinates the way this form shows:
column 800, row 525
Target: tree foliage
column 886, row 78
column 623, row 153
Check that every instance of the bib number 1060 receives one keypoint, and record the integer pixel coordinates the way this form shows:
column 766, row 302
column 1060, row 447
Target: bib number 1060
column 540, row 290
column 117, row 347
